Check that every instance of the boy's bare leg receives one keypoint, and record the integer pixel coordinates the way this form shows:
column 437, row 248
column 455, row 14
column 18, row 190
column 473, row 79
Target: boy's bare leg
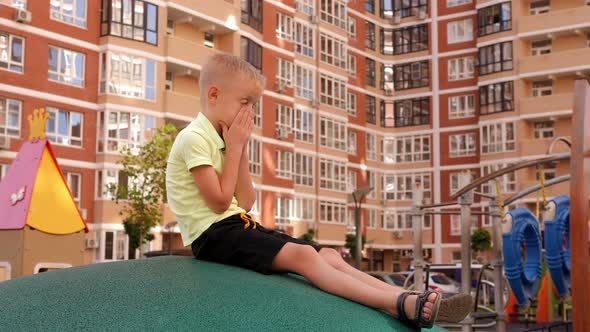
column 333, row 258
column 304, row 260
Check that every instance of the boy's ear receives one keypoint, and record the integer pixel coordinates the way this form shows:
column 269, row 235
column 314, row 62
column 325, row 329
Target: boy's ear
column 212, row 94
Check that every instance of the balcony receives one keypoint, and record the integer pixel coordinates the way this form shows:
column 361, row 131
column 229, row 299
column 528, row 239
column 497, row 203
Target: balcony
column 217, row 15
column 553, row 103
column 558, row 63
column 187, row 53
column 554, row 22
column 181, row 104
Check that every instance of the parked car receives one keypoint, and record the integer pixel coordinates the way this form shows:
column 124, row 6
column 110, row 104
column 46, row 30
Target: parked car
column 441, row 283
column 396, row 279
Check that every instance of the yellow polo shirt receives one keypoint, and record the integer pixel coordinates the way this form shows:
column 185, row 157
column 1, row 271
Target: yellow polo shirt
column 198, row 144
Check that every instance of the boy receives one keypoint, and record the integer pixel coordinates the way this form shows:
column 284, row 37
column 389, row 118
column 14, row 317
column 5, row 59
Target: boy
column 210, row 191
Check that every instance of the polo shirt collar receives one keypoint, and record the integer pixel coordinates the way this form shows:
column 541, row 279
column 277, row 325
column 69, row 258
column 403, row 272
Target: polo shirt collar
column 204, row 123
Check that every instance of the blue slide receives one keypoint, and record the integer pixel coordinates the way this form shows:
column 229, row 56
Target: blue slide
column 557, row 245
column 523, row 270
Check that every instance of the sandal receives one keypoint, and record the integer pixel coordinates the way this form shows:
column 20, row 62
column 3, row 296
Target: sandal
column 418, row 321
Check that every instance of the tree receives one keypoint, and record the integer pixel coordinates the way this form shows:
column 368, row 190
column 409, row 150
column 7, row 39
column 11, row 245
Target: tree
column 481, row 240
column 145, row 190
column 351, row 243
column 308, row 237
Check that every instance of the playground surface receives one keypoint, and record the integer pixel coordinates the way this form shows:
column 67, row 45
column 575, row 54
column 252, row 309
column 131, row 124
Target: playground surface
column 178, row 293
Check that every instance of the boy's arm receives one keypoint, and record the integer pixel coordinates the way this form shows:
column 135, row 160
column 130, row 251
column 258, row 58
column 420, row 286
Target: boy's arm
column 218, row 191
column 244, row 189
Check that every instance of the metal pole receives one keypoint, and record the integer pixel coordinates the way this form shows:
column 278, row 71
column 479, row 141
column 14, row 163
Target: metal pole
column 466, row 200
column 358, row 238
column 416, row 215
column 497, row 264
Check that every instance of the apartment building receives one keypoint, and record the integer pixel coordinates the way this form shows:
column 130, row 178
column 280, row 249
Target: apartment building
column 360, row 93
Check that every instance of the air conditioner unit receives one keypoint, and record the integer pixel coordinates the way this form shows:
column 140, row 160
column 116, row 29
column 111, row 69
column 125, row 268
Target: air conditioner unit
column 314, row 19
column 281, row 86
column 22, row 16
column 281, row 133
column 315, row 103
column 388, row 92
column 422, row 14
column 407, row 253
column 91, row 243
column 396, row 19
column 397, row 235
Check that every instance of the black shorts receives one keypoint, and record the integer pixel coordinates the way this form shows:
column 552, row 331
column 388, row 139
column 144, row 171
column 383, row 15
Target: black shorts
column 238, row 241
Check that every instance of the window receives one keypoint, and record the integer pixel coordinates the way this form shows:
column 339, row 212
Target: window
column 538, row 7
column 254, row 156
column 74, row 182
column 284, row 73
column 12, row 52
column 405, row 113
column 498, row 137
column 332, row 174
column 351, row 27
column 403, row 221
column 461, row 106
column 351, row 65
column 411, row 149
column 304, row 170
column 304, row 36
column 352, row 142
column 497, row 97
column 453, row 3
column 332, row 51
column 461, row 68
column 115, row 245
column 284, row 122
column 370, row 35
column 334, row 12
column 333, row 91
column 372, row 183
column 456, row 225
column 371, row 219
column 208, row 40
column 495, row 58
column 251, row 52
column 20, row 4
column 304, row 209
column 405, row 40
column 131, row 19
column 304, row 82
column 68, row 11
column 370, row 72
column 462, row 145
column 257, row 108
column 108, row 177
column 63, row 127
column 283, row 211
column 252, row 13
column 406, row 8
column 460, row 31
column 118, row 131
column 507, row 181
column 332, row 133
column 541, row 47
column 494, row 19
column 370, row 6
column 351, row 104
column 454, row 179
column 256, row 207
column 548, row 173
column 371, row 109
column 542, row 88
column 169, row 81
column 411, row 75
column 400, row 187
column 303, row 127
column 284, row 28
column 388, row 150
column 127, row 76
column 304, row 6
column 3, row 170
column 10, row 117
column 351, row 180
column 332, row 212
column 543, row 129
column 284, row 165
column 370, row 147
column 387, row 79
column 66, row 66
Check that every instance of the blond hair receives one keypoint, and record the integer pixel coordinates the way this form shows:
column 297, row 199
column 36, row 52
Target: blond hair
column 221, row 68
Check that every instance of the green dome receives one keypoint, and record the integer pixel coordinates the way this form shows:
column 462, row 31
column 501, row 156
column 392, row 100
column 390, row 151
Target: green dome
column 178, row 293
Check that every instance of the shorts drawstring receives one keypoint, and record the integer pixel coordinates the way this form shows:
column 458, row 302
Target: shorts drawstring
column 247, row 220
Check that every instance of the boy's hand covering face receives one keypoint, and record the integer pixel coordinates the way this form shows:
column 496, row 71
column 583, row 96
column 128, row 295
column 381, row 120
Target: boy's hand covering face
column 239, row 132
